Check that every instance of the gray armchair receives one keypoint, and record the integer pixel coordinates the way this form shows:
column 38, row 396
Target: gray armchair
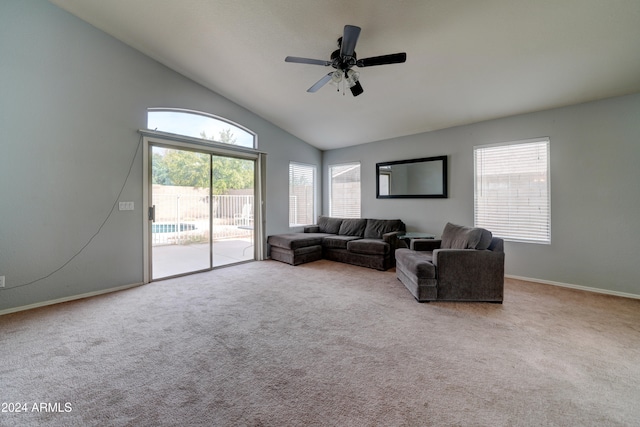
column 466, row 264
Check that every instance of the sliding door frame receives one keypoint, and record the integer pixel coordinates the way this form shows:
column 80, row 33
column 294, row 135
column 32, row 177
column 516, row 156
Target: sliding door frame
column 154, row 138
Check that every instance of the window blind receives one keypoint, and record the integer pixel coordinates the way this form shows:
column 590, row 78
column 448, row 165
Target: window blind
column 344, row 190
column 302, row 190
column 512, row 197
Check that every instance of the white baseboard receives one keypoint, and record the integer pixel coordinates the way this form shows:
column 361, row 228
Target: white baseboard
column 67, row 299
column 568, row 285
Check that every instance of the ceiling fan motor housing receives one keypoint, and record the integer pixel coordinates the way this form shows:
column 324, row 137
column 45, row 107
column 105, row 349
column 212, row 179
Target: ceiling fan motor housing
column 343, row 62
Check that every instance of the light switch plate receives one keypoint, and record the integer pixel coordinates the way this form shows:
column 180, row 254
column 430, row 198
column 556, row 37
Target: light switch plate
column 1, row 281
column 125, row 206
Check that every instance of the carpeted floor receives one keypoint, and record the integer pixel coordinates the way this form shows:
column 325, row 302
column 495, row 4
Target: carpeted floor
column 321, row 344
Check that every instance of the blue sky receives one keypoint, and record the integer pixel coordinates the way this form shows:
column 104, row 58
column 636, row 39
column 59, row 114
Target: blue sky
column 190, row 124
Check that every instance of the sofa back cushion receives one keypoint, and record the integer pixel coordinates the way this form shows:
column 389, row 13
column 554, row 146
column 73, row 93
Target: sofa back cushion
column 329, row 225
column 377, row 227
column 353, row 227
column 461, row 237
column 485, row 240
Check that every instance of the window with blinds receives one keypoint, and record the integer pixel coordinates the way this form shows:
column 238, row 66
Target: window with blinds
column 512, row 196
column 344, row 190
column 302, row 194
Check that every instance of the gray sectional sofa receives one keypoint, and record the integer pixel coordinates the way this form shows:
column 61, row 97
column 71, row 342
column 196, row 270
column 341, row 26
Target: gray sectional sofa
column 363, row 242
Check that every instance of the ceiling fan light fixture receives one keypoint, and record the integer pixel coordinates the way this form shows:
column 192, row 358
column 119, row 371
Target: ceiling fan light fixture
column 356, row 89
column 352, row 78
column 337, row 77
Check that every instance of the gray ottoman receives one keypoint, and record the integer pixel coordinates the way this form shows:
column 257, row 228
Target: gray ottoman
column 296, row 248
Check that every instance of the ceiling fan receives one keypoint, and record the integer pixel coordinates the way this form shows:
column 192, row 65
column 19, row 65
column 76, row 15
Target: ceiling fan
column 344, row 59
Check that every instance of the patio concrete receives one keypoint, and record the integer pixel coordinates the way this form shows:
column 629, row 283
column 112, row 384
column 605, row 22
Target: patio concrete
column 171, row 260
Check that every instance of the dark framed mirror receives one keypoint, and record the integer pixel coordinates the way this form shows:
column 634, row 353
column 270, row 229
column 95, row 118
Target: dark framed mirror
column 414, row 178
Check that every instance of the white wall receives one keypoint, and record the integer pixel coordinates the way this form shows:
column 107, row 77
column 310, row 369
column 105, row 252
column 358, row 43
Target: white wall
column 595, row 191
column 71, row 101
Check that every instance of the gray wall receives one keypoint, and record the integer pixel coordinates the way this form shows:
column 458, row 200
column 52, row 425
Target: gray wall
column 595, row 191
column 71, row 101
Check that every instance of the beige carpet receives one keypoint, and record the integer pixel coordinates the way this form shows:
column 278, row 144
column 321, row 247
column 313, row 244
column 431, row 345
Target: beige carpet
column 321, row 344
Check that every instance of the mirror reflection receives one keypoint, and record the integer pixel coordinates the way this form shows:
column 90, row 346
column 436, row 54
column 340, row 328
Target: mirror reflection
column 415, row 178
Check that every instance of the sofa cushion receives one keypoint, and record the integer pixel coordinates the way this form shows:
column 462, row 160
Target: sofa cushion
column 353, row 227
column 296, row 240
column 377, row 227
column 368, row 247
column 329, row 225
column 461, row 237
column 339, row 242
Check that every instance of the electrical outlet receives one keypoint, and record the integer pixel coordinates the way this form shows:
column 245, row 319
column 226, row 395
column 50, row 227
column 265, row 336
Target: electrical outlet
column 1, row 281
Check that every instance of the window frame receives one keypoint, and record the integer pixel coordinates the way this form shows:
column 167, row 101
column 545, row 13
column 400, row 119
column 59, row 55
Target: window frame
column 344, row 214
column 523, row 224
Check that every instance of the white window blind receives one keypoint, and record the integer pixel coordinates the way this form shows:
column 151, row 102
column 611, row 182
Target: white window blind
column 344, row 190
column 302, row 190
column 512, row 197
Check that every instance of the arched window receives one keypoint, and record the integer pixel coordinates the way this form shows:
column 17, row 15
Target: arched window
column 200, row 125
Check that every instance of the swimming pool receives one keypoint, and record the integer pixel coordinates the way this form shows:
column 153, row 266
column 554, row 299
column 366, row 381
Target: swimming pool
column 171, row 228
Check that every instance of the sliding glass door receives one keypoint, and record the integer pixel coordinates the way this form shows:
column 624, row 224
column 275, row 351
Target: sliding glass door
column 201, row 210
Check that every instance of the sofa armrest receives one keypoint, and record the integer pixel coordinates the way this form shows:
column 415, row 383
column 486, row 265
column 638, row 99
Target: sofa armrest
column 469, row 274
column 428, row 245
column 312, row 228
column 391, row 237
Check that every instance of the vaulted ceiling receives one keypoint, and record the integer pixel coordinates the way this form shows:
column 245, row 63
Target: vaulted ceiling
column 467, row 60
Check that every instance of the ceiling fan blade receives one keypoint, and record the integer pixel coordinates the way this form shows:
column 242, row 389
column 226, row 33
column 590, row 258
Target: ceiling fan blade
column 349, row 40
column 306, row 61
column 394, row 58
column 323, row 81
column 357, row 89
